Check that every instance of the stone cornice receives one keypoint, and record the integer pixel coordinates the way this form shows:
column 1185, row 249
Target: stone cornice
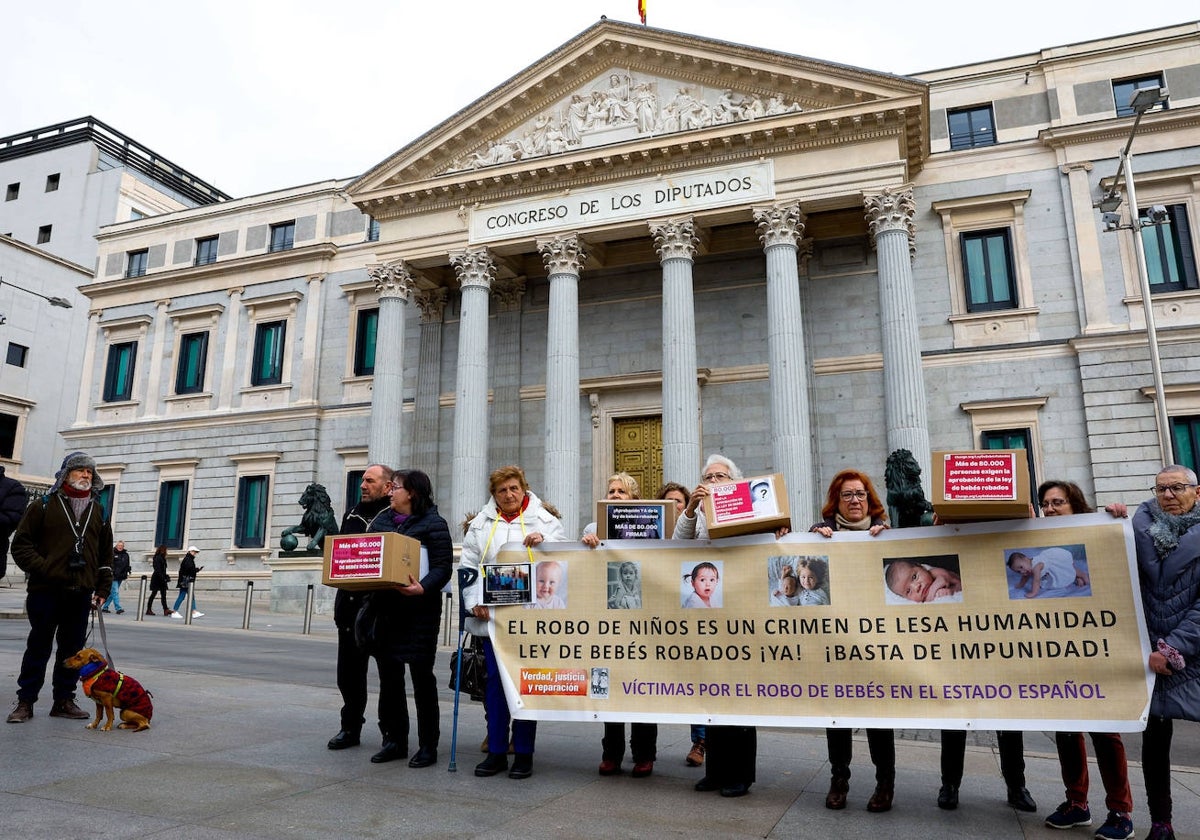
column 1116, row 130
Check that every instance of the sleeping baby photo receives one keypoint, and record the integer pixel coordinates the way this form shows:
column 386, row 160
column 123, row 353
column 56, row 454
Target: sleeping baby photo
column 922, row 580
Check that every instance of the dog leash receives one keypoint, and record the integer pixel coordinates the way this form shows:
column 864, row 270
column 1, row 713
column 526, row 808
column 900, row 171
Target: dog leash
column 97, row 614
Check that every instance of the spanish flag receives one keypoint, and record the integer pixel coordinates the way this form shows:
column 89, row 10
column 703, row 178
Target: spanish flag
column 642, row 11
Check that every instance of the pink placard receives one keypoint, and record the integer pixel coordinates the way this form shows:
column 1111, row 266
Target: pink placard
column 980, row 477
column 356, row 557
column 732, row 502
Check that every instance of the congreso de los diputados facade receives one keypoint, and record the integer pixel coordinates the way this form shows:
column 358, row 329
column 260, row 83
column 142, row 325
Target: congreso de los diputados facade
column 649, row 246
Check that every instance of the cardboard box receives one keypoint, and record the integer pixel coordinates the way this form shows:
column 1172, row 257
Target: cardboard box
column 370, row 561
column 635, row 519
column 978, row 486
column 757, row 505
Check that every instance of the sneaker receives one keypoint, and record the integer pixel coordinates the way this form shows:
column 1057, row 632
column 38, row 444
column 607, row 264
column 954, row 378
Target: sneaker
column 1069, row 815
column 21, row 712
column 68, row 709
column 197, row 614
column 696, row 757
column 175, row 615
column 120, row 612
column 1118, row 826
column 1161, row 831
column 106, row 611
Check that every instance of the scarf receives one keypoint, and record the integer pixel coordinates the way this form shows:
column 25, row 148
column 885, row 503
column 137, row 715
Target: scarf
column 1166, row 529
column 844, row 524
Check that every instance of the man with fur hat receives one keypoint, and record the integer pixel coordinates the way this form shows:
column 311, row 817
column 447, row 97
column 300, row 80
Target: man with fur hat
column 65, row 546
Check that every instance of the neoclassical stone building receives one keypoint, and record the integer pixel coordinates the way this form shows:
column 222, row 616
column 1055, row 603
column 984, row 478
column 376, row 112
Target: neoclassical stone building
column 649, row 246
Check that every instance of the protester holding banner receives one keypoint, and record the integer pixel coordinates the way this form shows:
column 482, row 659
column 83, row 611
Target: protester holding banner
column 513, row 514
column 731, row 749
column 411, row 617
column 851, row 504
column 1064, row 498
column 643, row 737
column 1166, row 534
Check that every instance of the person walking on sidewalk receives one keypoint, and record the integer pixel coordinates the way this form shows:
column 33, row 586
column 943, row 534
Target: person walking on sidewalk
column 13, row 501
column 121, row 569
column 187, row 579
column 65, row 547
column 159, row 580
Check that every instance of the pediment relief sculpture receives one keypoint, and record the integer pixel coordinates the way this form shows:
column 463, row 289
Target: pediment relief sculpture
column 622, row 106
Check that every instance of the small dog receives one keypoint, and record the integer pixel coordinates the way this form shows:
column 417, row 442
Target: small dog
column 109, row 688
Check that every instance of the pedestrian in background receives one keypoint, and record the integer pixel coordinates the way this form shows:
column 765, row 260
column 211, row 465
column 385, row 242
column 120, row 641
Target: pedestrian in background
column 120, row 573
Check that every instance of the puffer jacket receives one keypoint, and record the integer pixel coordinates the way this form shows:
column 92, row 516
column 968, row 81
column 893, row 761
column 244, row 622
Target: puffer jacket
column 1171, row 601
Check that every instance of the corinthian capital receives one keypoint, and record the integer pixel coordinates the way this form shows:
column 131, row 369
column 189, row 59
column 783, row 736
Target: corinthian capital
column 432, row 303
column 888, row 211
column 393, row 280
column 563, row 254
column 674, row 238
column 508, row 293
column 780, row 225
column 474, row 267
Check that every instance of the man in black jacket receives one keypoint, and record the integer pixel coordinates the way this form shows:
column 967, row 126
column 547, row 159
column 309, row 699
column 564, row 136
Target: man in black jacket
column 121, row 567
column 352, row 662
column 13, row 502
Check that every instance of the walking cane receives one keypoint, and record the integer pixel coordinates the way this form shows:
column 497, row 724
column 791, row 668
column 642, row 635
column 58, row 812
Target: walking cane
column 466, row 578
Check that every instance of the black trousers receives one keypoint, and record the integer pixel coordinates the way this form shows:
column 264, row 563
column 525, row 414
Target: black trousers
column 1156, row 766
column 393, row 701
column 1012, row 756
column 880, row 742
column 162, row 593
column 54, row 616
column 643, row 741
column 352, row 680
column 731, row 755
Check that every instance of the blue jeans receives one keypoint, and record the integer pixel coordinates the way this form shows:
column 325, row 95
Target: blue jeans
column 114, row 596
column 181, row 598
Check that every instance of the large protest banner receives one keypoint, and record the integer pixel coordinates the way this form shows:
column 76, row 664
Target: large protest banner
column 923, row 627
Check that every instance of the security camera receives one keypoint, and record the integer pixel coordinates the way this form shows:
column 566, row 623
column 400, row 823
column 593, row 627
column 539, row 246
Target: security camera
column 1112, row 221
column 1156, row 215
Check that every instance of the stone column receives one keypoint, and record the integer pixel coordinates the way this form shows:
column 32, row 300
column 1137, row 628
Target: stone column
column 780, row 229
column 505, row 442
column 83, row 405
column 890, row 218
column 675, row 242
column 564, row 257
column 394, row 283
column 432, row 304
column 150, row 405
column 476, row 271
column 229, row 363
column 314, row 307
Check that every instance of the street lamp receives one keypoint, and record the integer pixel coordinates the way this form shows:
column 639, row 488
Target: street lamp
column 1143, row 100
column 51, row 299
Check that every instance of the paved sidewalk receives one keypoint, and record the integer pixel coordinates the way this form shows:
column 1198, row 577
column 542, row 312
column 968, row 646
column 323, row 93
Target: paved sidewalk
column 246, row 758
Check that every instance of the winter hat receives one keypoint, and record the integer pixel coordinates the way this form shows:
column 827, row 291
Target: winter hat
column 76, row 461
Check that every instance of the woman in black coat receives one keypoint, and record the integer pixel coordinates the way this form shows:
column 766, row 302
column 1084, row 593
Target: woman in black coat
column 409, row 620
column 159, row 580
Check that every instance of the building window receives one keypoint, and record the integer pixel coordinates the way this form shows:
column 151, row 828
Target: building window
column 372, row 229
column 106, row 501
column 251, row 523
column 136, row 214
column 118, row 377
column 364, row 342
column 17, row 354
column 282, row 236
column 44, row 234
column 1012, row 439
column 8, row 435
column 206, row 250
column 1185, row 435
column 135, row 265
column 1170, row 259
column 12, row 192
column 988, row 270
column 971, row 128
column 52, row 182
column 353, row 488
column 1124, row 90
column 193, row 355
column 172, row 509
column 268, row 353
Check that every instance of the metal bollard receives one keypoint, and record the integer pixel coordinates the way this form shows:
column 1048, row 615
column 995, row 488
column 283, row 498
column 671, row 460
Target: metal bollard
column 446, row 619
column 188, row 603
column 246, row 608
column 141, row 610
column 308, row 611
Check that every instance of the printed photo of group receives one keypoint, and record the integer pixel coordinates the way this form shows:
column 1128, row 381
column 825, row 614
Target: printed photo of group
column 797, row 580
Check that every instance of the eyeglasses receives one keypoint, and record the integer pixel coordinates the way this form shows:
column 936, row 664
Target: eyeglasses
column 710, row 478
column 847, row 495
column 1055, row 503
column 1175, row 489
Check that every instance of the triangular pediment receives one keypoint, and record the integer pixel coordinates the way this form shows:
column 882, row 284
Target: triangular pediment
column 621, row 92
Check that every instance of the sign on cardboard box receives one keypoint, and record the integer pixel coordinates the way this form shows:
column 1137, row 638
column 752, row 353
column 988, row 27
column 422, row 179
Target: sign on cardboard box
column 988, row 484
column 635, row 519
column 757, row 505
column 371, row 561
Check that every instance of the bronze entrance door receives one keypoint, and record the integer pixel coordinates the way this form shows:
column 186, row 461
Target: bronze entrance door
column 637, row 450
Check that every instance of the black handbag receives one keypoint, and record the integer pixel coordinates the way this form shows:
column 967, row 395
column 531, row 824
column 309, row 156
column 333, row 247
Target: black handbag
column 368, row 627
column 474, row 670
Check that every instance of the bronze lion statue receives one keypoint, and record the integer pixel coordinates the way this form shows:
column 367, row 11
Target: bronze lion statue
column 318, row 520
column 907, row 505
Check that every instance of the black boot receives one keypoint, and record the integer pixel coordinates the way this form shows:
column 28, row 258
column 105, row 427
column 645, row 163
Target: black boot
column 522, row 767
column 493, row 764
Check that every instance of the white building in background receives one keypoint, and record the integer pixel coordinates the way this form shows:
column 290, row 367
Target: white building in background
column 648, row 246
column 60, row 184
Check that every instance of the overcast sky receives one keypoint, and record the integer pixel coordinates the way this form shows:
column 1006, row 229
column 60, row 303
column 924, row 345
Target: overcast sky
column 257, row 95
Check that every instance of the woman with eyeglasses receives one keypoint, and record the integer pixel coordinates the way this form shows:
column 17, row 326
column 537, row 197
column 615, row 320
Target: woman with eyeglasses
column 851, row 504
column 1064, row 498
